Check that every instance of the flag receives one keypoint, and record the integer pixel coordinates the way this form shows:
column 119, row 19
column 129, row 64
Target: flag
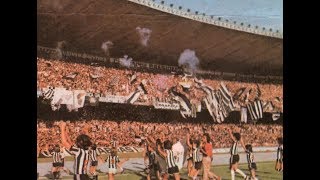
column 278, row 99
column 268, row 106
column 67, row 97
column 239, row 93
column 142, row 88
column 255, row 109
column 133, row 96
column 79, row 97
column 136, row 94
column 226, row 97
column 71, row 75
column 212, row 104
column 132, row 78
column 243, row 113
column 57, row 98
column 247, row 94
column 211, row 101
column 39, row 93
column 198, row 81
column 275, row 116
column 258, row 92
column 48, row 93
column 183, row 101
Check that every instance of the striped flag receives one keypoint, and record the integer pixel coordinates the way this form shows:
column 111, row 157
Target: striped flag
column 136, row 94
column 269, row 106
column 247, row 95
column 258, row 91
column 255, row 109
column 211, row 101
column 48, row 93
column 278, row 99
column 225, row 102
column 239, row 93
column 226, row 97
column 133, row 78
column 183, row 100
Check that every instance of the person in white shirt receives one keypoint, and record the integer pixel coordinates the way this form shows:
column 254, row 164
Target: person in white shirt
column 178, row 152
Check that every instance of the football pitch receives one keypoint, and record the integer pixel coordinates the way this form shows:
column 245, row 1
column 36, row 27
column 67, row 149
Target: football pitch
column 265, row 171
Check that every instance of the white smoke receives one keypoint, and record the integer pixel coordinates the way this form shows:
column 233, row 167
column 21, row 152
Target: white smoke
column 125, row 61
column 189, row 60
column 106, row 46
column 60, row 46
column 144, row 34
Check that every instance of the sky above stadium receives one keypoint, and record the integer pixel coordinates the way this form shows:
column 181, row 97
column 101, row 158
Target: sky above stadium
column 263, row 13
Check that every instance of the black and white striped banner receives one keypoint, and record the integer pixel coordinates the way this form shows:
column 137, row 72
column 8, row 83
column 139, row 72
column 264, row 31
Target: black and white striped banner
column 226, row 97
column 255, row 109
column 133, row 97
column 183, row 101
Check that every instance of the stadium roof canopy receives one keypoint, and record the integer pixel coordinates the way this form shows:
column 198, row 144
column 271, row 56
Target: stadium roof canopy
column 227, row 35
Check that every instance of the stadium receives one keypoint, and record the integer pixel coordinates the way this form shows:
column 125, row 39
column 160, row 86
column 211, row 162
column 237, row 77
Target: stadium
column 126, row 73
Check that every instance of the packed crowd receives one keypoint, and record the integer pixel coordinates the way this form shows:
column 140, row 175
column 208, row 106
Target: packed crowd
column 111, row 81
column 128, row 133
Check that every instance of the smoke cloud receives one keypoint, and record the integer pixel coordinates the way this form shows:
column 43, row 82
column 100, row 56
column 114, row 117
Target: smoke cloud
column 60, row 46
column 125, row 61
column 144, row 34
column 189, row 60
column 106, row 46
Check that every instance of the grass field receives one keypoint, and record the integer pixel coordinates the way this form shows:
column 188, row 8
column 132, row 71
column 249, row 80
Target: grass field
column 265, row 172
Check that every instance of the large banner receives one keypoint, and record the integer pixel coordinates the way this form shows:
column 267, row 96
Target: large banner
column 67, row 97
column 79, row 97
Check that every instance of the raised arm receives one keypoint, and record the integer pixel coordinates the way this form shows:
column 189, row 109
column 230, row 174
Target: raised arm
column 68, row 137
column 64, row 135
column 188, row 140
column 242, row 144
column 151, row 139
column 231, row 135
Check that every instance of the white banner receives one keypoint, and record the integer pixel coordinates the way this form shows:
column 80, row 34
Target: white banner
column 67, row 97
column 79, row 97
column 165, row 105
column 56, row 99
column 113, row 99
